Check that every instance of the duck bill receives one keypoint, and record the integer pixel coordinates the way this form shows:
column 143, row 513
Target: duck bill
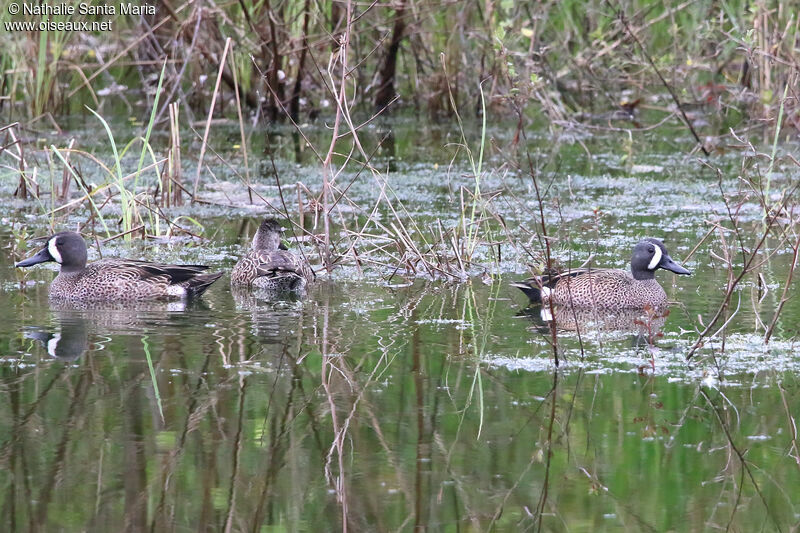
column 672, row 266
column 42, row 257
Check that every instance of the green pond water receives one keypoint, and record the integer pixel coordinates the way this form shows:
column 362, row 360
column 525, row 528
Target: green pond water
column 388, row 402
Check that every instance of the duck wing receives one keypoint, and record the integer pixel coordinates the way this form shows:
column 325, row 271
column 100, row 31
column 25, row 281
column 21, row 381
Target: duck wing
column 532, row 287
column 280, row 263
column 146, row 270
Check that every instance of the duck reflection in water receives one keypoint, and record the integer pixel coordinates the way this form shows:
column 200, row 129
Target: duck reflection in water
column 80, row 326
column 274, row 317
column 642, row 325
column 68, row 342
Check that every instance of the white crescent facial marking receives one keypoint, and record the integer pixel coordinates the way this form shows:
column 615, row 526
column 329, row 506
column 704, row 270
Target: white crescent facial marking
column 656, row 259
column 54, row 253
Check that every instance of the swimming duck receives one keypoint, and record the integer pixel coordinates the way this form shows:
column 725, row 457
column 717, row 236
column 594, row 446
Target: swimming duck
column 269, row 265
column 608, row 288
column 115, row 280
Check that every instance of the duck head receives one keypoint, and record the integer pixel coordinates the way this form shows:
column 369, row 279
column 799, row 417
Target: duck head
column 650, row 255
column 268, row 236
column 66, row 248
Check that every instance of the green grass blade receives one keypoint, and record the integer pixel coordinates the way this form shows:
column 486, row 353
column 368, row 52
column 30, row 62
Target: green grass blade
column 126, row 197
column 146, row 349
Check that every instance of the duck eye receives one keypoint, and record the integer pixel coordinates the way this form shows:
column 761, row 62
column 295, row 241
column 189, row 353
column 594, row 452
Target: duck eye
column 651, row 250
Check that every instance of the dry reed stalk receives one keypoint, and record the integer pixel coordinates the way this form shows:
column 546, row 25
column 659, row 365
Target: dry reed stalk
column 339, row 56
column 176, row 169
column 784, row 294
column 22, row 165
column 243, row 139
column 728, row 261
column 198, row 13
column 131, row 231
column 295, row 125
column 66, row 177
column 624, row 20
column 158, row 212
column 749, row 265
column 300, row 213
column 210, row 115
column 285, row 211
column 544, row 240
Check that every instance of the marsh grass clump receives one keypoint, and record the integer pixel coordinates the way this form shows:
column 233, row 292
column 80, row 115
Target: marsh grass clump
column 597, row 64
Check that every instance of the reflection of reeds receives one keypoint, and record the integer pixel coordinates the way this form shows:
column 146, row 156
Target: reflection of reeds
column 248, row 433
column 153, row 379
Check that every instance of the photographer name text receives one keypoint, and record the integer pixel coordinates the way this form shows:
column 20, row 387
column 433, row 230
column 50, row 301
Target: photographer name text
column 85, row 8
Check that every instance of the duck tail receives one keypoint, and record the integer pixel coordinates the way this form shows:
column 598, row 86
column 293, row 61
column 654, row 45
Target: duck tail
column 531, row 290
column 198, row 284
